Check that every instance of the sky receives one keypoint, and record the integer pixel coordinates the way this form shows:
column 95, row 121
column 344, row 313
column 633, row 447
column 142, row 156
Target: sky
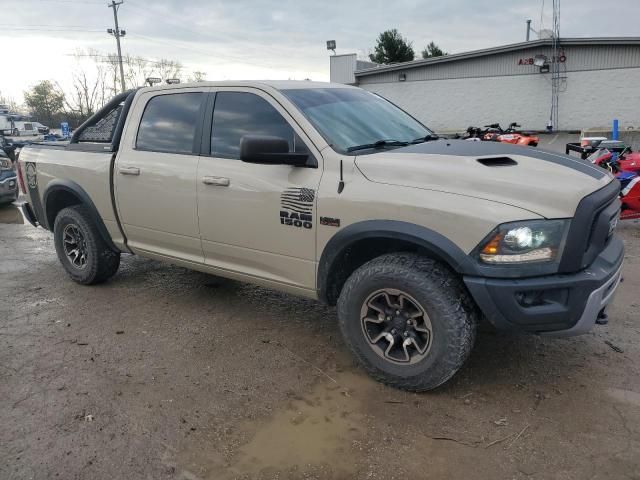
column 271, row 39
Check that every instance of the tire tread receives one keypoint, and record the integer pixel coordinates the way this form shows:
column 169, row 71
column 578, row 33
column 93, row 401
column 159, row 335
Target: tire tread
column 106, row 261
column 445, row 289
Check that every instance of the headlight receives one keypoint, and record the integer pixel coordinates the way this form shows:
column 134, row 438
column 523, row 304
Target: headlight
column 5, row 164
column 531, row 241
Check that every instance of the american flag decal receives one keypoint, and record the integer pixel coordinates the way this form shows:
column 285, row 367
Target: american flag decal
column 299, row 200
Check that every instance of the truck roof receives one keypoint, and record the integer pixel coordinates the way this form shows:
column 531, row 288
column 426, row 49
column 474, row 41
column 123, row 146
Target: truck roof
column 275, row 84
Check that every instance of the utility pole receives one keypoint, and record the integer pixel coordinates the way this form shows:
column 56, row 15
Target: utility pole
column 117, row 33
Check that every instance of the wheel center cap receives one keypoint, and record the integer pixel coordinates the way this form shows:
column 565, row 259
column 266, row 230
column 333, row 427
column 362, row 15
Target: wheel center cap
column 399, row 321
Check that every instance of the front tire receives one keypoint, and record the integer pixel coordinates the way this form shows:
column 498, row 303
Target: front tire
column 81, row 249
column 408, row 320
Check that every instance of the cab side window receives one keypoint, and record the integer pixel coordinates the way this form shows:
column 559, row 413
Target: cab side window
column 169, row 122
column 236, row 114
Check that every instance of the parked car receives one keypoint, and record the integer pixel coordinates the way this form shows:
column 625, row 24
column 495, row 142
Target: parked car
column 42, row 129
column 6, row 125
column 22, row 128
column 8, row 180
column 331, row 192
column 9, row 148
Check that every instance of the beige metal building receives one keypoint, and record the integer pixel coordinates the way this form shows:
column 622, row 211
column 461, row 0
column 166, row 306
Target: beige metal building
column 599, row 80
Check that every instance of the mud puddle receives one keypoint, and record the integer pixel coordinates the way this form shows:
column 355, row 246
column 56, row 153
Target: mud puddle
column 625, row 396
column 314, row 432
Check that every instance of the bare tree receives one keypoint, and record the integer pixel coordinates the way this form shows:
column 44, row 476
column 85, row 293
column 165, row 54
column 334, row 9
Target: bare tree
column 166, row 69
column 197, row 76
column 10, row 102
column 89, row 90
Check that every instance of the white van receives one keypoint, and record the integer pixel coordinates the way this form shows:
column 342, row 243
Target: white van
column 22, row 129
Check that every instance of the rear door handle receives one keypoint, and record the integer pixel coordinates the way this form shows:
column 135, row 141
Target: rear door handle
column 218, row 181
column 129, row 171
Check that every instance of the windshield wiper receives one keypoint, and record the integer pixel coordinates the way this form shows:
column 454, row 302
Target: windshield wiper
column 427, row 138
column 378, row 144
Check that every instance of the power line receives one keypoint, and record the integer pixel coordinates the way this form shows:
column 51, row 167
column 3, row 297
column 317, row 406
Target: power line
column 107, row 58
column 211, row 55
column 20, row 29
column 67, row 1
column 46, row 25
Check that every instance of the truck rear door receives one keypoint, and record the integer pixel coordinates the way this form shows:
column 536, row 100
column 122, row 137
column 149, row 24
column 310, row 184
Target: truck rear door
column 155, row 173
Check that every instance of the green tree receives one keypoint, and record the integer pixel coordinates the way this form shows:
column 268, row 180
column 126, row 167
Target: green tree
column 45, row 102
column 432, row 50
column 392, row 48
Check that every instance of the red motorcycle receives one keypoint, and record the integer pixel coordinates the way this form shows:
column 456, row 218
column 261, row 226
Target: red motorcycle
column 626, row 160
column 629, row 179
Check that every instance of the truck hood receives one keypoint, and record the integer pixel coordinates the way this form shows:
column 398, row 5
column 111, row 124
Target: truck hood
column 546, row 183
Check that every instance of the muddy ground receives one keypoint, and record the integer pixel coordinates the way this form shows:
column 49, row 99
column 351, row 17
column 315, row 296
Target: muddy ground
column 167, row 373
column 164, row 373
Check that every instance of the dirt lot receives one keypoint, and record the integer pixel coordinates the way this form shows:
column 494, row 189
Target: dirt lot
column 168, row 373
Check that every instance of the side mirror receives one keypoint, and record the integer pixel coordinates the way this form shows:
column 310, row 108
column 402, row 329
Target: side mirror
column 269, row 150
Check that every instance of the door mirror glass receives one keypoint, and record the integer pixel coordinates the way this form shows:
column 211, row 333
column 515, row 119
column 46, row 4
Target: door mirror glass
column 269, row 150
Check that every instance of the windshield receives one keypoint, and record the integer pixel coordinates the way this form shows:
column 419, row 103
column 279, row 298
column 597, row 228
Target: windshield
column 597, row 154
column 349, row 118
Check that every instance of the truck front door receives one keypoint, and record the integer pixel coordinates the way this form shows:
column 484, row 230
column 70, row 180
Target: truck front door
column 155, row 174
column 257, row 220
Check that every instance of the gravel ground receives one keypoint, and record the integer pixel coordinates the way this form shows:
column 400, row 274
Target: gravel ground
column 164, row 373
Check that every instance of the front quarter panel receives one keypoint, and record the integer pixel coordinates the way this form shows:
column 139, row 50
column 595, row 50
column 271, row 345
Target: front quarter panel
column 463, row 220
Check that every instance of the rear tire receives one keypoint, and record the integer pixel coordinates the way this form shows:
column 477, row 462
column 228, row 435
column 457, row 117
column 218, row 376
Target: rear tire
column 81, row 249
column 404, row 297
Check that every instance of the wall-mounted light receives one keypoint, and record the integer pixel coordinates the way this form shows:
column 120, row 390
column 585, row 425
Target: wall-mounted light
column 539, row 60
column 402, row 77
column 544, row 68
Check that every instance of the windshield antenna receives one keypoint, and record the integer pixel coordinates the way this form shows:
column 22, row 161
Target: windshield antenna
column 341, row 184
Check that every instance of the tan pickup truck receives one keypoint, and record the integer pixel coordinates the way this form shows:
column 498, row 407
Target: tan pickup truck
column 333, row 193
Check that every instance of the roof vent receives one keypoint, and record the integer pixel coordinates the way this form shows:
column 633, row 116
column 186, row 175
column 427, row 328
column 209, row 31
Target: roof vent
column 497, row 161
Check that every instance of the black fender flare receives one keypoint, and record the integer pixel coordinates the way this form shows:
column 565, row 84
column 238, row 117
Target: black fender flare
column 58, row 185
column 431, row 241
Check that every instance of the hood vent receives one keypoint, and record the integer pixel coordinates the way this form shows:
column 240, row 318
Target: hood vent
column 497, row 162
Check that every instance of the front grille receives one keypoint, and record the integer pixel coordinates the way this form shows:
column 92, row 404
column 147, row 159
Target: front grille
column 590, row 229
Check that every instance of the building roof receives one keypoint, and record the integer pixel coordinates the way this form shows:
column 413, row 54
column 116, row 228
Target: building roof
column 545, row 42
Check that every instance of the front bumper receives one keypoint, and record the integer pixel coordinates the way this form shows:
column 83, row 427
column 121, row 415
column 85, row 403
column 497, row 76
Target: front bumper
column 559, row 305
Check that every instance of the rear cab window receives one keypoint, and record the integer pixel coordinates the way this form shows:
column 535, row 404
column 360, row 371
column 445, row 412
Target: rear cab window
column 169, row 123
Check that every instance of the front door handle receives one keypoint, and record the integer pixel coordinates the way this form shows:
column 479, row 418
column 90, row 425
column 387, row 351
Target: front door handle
column 129, row 171
column 218, row 181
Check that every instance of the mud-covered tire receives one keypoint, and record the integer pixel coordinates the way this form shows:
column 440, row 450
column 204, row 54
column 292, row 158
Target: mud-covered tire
column 441, row 294
column 101, row 262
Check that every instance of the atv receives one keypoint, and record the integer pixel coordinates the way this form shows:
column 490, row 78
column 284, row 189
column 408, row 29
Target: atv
column 511, row 135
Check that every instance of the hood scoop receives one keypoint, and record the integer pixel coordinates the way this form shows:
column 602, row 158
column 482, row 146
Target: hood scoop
column 497, row 162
